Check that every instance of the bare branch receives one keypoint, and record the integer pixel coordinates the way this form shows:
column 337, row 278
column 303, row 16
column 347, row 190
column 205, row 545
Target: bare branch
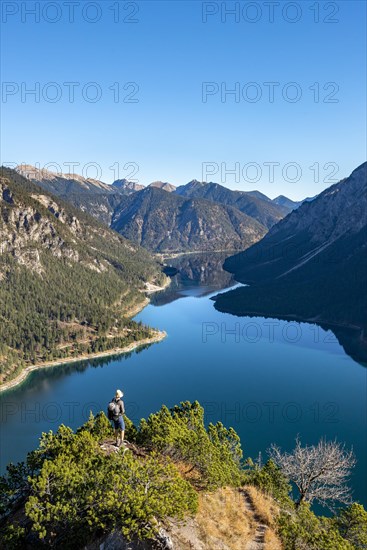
column 320, row 472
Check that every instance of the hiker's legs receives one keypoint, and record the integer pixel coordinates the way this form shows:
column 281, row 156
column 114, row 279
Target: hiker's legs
column 122, row 429
column 119, row 437
column 119, row 431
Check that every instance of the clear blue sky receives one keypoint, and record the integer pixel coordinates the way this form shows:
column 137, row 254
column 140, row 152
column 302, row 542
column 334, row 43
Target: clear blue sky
column 169, row 52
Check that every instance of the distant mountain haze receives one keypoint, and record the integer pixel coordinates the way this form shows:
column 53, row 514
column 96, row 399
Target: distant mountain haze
column 288, row 203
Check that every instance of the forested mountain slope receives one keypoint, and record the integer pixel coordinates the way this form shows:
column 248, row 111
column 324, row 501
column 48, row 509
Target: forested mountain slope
column 253, row 204
column 312, row 264
column 166, row 222
column 66, row 280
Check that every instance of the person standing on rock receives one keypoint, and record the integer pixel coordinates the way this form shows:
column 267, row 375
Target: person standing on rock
column 116, row 410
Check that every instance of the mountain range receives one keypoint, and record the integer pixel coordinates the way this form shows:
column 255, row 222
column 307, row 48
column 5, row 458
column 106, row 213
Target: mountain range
column 165, row 222
column 262, row 210
column 67, row 281
column 312, row 265
column 163, row 218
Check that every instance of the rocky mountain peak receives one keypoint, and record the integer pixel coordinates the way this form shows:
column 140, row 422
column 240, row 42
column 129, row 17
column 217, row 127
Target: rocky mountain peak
column 126, row 185
column 169, row 187
column 60, row 183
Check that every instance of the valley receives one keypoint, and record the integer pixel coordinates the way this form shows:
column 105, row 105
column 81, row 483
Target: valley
column 183, row 275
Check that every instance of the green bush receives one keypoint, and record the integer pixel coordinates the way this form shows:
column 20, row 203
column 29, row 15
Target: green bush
column 73, row 491
column 303, row 529
column 181, row 434
column 352, row 525
column 271, row 481
column 80, row 492
column 99, row 426
column 13, row 537
column 83, row 492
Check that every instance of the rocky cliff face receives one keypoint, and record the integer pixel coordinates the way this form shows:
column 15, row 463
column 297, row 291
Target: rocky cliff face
column 126, row 186
column 32, row 221
column 26, row 227
column 62, row 184
column 89, row 195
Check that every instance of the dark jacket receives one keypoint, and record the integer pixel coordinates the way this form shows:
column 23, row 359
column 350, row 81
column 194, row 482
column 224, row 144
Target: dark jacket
column 121, row 406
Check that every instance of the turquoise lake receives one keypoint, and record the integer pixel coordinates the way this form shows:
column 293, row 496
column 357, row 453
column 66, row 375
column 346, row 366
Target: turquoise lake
column 270, row 379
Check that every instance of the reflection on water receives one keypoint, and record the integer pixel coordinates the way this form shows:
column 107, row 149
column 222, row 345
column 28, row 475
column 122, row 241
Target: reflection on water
column 196, row 275
column 353, row 342
column 43, row 378
column 202, row 274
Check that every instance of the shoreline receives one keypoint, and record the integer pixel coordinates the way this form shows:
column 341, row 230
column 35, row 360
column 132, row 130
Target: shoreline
column 288, row 316
column 158, row 335
column 352, row 338
column 130, row 313
column 163, row 256
column 151, row 289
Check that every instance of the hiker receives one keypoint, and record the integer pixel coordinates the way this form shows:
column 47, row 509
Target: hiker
column 116, row 410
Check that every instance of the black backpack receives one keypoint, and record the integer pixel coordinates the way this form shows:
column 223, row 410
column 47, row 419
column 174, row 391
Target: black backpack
column 113, row 410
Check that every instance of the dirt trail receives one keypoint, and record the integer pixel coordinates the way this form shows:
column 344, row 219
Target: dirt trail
column 258, row 540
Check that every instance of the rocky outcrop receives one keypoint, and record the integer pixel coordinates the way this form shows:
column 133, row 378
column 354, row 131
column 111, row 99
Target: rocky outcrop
column 126, row 186
column 62, row 184
column 25, row 231
column 89, row 195
column 116, row 541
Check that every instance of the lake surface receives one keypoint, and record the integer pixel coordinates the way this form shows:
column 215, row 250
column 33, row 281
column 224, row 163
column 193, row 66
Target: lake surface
column 269, row 379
